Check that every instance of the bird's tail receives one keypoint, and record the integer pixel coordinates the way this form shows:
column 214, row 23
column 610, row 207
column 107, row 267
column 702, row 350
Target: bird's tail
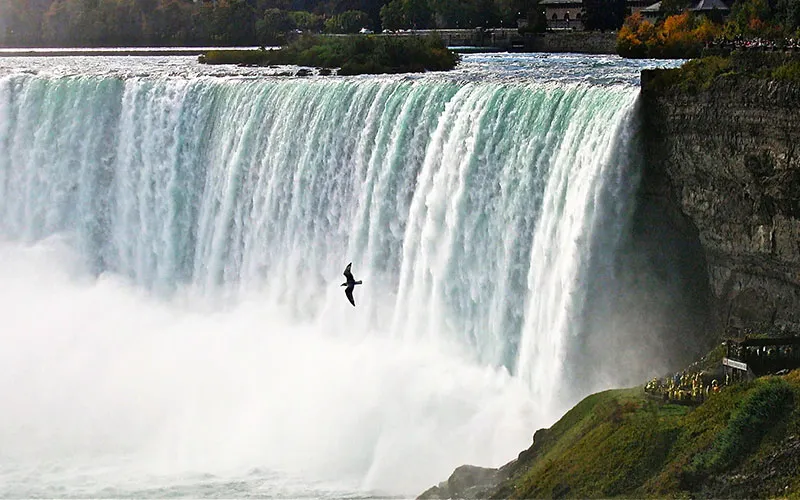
column 357, row 282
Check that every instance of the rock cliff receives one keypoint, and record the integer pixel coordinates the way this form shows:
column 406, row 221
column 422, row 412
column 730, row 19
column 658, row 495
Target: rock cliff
column 728, row 158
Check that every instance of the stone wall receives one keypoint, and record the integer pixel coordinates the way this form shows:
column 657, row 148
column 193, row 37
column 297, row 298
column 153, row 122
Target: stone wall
column 728, row 159
column 582, row 42
column 498, row 38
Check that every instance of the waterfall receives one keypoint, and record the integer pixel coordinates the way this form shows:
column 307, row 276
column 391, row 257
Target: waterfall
column 475, row 211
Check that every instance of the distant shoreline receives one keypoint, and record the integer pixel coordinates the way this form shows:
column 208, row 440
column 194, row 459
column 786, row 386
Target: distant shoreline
column 159, row 51
column 177, row 52
column 112, row 51
column 460, row 41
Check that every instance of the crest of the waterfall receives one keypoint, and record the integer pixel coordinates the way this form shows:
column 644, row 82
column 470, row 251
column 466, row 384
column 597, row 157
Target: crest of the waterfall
column 468, row 208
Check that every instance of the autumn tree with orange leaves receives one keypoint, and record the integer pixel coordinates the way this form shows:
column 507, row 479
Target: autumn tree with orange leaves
column 679, row 36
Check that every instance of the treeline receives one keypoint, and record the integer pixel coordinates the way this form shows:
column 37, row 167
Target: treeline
column 95, row 23
column 681, row 34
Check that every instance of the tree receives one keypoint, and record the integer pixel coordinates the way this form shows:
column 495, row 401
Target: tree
column 756, row 18
column 234, row 23
column 332, row 7
column 5, row 26
column 418, row 14
column 60, row 22
column 409, row 14
column 306, row 21
column 744, row 11
column 21, row 21
column 679, row 36
column 537, row 19
column 168, row 23
column 452, row 13
column 603, row 14
column 118, row 23
column 632, row 37
column 347, row 22
column 787, row 13
column 392, row 17
column 273, row 25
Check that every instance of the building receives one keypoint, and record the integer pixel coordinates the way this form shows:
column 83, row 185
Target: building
column 563, row 14
column 635, row 6
column 760, row 356
column 652, row 12
column 716, row 10
column 566, row 14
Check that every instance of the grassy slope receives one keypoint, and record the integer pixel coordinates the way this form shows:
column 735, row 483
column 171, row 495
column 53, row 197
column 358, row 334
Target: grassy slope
column 620, row 443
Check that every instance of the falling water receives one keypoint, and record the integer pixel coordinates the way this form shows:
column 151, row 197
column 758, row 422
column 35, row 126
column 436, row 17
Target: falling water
column 173, row 243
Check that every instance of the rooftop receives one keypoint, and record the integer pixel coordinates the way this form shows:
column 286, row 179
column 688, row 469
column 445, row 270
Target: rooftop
column 700, row 6
column 768, row 341
column 561, row 2
column 710, row 5
column 656, row 7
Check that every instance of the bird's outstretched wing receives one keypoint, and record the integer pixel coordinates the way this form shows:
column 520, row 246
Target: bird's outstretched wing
column 348, row 274
column 349, row 292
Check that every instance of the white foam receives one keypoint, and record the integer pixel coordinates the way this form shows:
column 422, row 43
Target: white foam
column 99, row 372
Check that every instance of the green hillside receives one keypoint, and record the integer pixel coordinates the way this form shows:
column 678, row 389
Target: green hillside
column 742, row 442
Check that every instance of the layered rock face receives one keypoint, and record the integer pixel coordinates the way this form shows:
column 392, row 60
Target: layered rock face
column 728, row 158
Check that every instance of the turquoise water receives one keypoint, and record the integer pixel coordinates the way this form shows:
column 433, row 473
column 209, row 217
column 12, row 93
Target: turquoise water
column 172, row 236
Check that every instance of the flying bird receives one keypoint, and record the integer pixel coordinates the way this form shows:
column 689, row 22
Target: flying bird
column 350, row 284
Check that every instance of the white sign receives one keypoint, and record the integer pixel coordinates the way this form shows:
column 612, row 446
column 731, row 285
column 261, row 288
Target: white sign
column 734, row 364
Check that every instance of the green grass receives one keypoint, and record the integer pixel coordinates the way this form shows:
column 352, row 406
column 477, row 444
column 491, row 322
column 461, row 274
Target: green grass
column 753, row 417
column 621, row 444
column 694, row 76
column 353, row 55
column 789, row 72
column 699, row 75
